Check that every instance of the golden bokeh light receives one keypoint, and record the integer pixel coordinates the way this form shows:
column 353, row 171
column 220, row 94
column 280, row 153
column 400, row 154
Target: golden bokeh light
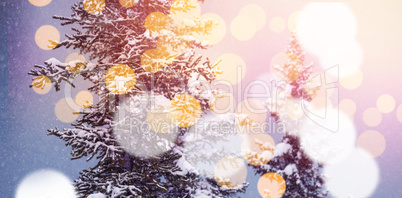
column 386, row 103
column 373, row 142
column 127, row 3
column 243, row 27
column 257, row 149
column 277, row 24
column 399, row 113
column 372, row 117
column 75, row 63
column 321, row 102
column 257, row 113
column 222, row 103
column 158, row 119
column 279, row 59
column 353, row 81
column 84, row 99
column 185, row 110
column 230, row 172
column 348, row 106
column 40, row 3
column 154, row 60
column 292, row 21
column 233, row 68
column 47, row 37
column 41, row 84
column 255, row 12
column 217, row 33
column 94, row 6
column 120, row 79
column 184, row 9
column 271, row 185
column 66, row 110
column 157, row 22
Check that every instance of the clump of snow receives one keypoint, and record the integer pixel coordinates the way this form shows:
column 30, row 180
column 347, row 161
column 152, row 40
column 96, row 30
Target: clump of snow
column 97, row 195
column 281, row 149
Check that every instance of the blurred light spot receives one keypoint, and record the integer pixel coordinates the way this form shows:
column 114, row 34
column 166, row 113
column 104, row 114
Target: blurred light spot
column 230, row 172
column 271, row 185
column 127, row 3
column 277, row 24
column 292, row 21
column 386, row 103
column 353, row 81
column 75, row 62
column 348, row 106
column 256, row 111
column 243, row 27
column 84, row 99
column 120, row 79
column 66, row 110
column 94, row 6
column 45, row 183
column 328, row 30
column 257, row 149
column 324, row 145
column 357, row 176
column 257, row 13
column 399, row 113
column 373, row 142
column 156, row 22
column 184, row 9
column 222, row 103
column 47, row 37
column 133, row 132
column 279, row 59
column 158, row 119
column 40, row 3
column 41, row 84
column 372, row 117
column 233, row 68
column 185, row 110
column 217, row 33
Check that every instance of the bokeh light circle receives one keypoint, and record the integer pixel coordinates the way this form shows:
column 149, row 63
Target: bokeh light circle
column 222, row 103
column 94, row 6
column 257, row 149
column 271, row 185
column 230, row 172
column 66, row 110
column 75, row 62
column 255, row 12
column 373, row 142
column 217, row 33
column 356, row 176
column 40, row 3
column 243, row 27
column 348, row 106
column 120, row 79
column 386, row 103
column 47, row 37
column 329, row 139
column 372, row 117
column 184, row 9
column 399, row 113
column 41, row 84
column 134, row 131
column 277, row 24
column 127, row 3
column 185, row 110
column 353, row 81
column 84, row 99
column 45, row 183
column 233, row 68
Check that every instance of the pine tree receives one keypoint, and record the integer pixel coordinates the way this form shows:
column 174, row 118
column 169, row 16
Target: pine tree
column 155, row 57
column 302, row 175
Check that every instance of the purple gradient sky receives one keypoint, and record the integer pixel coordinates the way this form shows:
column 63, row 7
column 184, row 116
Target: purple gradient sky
column 25, row 147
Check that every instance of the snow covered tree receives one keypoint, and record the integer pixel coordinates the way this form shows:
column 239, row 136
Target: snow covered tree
column 137, row 53
column 302, row 175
